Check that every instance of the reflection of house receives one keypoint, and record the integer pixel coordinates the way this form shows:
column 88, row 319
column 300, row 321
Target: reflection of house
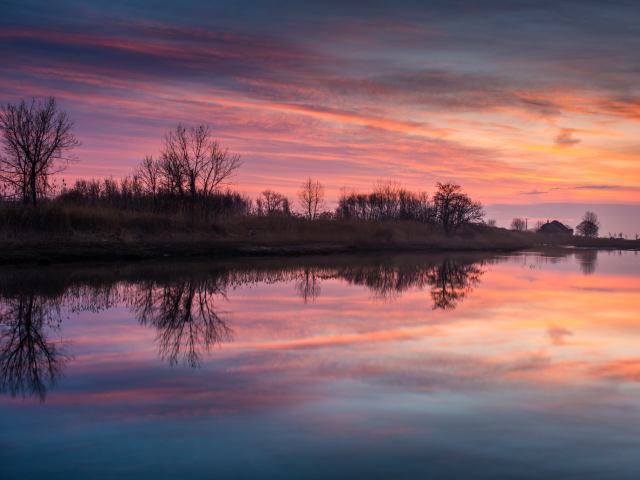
column 555, row 227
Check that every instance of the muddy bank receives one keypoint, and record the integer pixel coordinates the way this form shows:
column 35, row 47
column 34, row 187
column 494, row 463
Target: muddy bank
column 45, row 254
column 110, row 250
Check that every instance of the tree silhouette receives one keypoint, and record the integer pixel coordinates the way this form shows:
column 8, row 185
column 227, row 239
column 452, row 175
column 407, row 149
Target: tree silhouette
column 148, row 173
column 273, row 204
column 308, row 286
column 185, row 316
column 450, row 281
column 30, row 362
column 518, row 224
column 311, row 195
column 588, row 260
column 192, row 161
column 453, row 281
column 454, row 208
column 590, row 226
column 36, row 139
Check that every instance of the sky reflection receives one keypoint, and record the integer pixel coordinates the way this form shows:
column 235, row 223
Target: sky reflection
column 532, row 372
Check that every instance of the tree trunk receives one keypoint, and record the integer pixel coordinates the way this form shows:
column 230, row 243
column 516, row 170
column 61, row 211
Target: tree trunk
column 33, row 181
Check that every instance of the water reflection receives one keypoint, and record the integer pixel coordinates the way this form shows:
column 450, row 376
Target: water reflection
column 588, row 260
column 185, row 314
column 184, row 301
column 488, row 365
column 452, row 281
column 31, row 360
column 308, row 286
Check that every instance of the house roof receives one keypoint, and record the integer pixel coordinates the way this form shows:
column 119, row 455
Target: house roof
column 555, row 227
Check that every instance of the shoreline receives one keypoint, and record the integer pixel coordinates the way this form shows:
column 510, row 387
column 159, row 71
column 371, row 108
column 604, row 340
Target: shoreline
column 60, row 251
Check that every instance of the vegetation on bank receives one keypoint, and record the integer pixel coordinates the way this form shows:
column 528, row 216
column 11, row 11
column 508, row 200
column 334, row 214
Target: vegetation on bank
column 56, row 233
column 182, row 199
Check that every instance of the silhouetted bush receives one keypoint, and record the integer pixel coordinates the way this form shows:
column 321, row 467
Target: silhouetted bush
column 387, row 201
column 131, row 194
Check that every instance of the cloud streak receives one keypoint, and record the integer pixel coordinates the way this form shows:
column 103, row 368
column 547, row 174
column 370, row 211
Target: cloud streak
column 418, row 93
column 565, row 138
column 532, row 192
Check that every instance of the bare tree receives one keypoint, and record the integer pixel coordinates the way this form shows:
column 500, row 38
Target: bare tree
column 273, row 203
column 311, row 195
column 590, row 226
column 149, row 174
column 454, row 208
column 221, row 170
column 37, row 139
column 193, row 161
column 491, row 223
column 14, row 178
column 539, row 224
column 518, row 224
column 388, row 201
column 384, row 199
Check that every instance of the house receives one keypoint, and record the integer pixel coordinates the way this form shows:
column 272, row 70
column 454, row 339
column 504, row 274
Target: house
column 555, row 227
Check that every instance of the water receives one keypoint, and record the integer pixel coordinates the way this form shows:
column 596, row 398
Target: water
column 522, row 365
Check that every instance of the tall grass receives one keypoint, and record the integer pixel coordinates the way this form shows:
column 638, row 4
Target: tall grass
column 58, row 223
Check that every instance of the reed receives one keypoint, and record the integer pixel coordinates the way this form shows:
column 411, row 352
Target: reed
column 65, row 231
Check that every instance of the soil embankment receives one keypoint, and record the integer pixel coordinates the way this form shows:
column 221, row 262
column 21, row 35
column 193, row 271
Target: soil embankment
column 56, row 233
column 109, row 249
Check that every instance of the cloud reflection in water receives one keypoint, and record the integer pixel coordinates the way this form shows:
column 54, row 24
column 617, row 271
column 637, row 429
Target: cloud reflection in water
column 441, row 355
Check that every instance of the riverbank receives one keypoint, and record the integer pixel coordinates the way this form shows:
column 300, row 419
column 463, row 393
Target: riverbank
column 109, row 248
column 57, row 233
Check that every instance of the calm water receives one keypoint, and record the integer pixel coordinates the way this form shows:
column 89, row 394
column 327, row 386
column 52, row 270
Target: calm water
column 405, row 366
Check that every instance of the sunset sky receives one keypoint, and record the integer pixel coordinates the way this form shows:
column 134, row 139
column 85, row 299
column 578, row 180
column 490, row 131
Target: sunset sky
column 520, row 102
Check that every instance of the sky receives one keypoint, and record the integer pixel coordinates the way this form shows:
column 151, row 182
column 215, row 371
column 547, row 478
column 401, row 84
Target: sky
column 520, row 102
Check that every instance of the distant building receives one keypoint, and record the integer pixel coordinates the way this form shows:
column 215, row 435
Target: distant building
column 555, row 227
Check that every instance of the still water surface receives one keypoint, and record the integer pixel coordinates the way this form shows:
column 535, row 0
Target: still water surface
column 521, row 365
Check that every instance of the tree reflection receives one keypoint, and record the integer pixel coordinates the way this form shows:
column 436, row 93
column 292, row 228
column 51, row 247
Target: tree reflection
column 182, row 302
column 30, row 362
column 387, row 282
column 588, row 260
column 451, row 282
column 184, row 313
column 308, row 285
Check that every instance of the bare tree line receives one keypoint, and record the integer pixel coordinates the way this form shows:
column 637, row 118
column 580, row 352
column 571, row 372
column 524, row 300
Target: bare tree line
column 193, row 171
column 191, row 164
column 130, row 193
column 37, row 139
column 388, row 200
column 450, row 208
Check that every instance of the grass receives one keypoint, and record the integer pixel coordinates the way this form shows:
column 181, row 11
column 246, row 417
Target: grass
column 59, row 233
